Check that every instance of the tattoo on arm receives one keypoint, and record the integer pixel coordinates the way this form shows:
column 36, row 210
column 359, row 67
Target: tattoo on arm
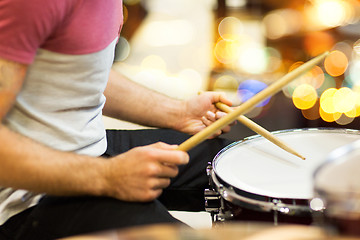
column 11, row 79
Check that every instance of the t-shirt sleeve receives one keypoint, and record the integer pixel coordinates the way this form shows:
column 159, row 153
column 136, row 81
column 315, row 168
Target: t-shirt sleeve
column 24, row 26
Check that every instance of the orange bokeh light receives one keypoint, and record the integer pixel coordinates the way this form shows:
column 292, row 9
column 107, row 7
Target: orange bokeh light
column 336, row 63
column 329, row 117
column 312, row 113
column 316, row 43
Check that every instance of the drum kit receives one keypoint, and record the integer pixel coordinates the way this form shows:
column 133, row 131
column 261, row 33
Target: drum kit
column 251, row 180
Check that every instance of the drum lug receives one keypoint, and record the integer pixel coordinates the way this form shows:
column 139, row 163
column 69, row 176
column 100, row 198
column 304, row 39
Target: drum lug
column 212, row 201
column 214, row 205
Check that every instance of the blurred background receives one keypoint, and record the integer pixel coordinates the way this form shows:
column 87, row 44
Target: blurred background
column 181, row 47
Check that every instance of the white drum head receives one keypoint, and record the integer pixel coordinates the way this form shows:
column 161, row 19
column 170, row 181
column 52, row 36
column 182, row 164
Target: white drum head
column 257, row 166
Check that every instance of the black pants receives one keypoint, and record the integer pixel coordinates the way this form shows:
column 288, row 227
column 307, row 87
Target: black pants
column 56, row 217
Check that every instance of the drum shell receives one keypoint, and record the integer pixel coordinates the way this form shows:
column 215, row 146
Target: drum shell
column 238, row 205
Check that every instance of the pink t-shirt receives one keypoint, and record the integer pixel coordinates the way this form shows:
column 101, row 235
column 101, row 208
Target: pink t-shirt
column 69, row 45
column 63, row 26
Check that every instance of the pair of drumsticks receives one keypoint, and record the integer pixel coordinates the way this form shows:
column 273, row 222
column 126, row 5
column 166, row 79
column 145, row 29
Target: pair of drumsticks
column 236, row 113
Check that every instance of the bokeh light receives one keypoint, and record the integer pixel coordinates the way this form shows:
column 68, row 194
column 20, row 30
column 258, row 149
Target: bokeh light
column 168, row 33
column 304, row 96
column 329, row 117
column 344, row 100
column 327, row 101
column 315, row 78
column 153, row 62
column 340, row 105
column 229, row 28
column 317, row 42
column 313, row 112
column 352, row 113
column 247, row 89
column 227, row 51
column 329, row 82
column 353, row 76
column 255, row 112
column 274, row 59
column 344, row 46
column 331, row 13
column 197, row 57
column 252, row 59
column 281, row 23
column 357, row 47
column 122, row 50
column 324, row 14
column 289, row 89
column 336, row 63
column 355, row 112
column 191, row 80
column 344, row 120
column 226, row 82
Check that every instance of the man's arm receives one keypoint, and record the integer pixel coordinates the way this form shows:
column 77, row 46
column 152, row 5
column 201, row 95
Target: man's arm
column 26, row 164
column 127, row 100
column 130, row 101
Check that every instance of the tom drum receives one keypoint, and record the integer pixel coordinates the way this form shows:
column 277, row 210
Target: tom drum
column 337, row 190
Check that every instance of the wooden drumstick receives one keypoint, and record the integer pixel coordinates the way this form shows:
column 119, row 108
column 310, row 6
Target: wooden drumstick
column 260, row 130
column 249, row 104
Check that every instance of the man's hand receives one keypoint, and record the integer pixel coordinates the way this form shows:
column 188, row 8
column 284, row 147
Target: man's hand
column 141, row 173
column 200, row 112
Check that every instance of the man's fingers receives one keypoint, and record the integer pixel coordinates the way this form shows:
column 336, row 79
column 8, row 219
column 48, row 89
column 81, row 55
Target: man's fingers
column 168, row 171
column 167, row 154
column 210, row 116
column 224, row 99
column 160, row 183
column 206, row 121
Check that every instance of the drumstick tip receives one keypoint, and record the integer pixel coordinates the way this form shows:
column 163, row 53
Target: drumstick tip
column 286, row 148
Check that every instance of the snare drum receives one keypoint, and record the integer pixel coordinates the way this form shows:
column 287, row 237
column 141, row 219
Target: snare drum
column 254, row 179
column 337, row 190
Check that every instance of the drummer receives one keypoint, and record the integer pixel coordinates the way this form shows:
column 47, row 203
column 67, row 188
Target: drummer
column 61, row 173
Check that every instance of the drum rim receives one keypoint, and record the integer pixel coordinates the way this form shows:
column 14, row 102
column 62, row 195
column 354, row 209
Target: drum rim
column 277, row 132
column 255, row 197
